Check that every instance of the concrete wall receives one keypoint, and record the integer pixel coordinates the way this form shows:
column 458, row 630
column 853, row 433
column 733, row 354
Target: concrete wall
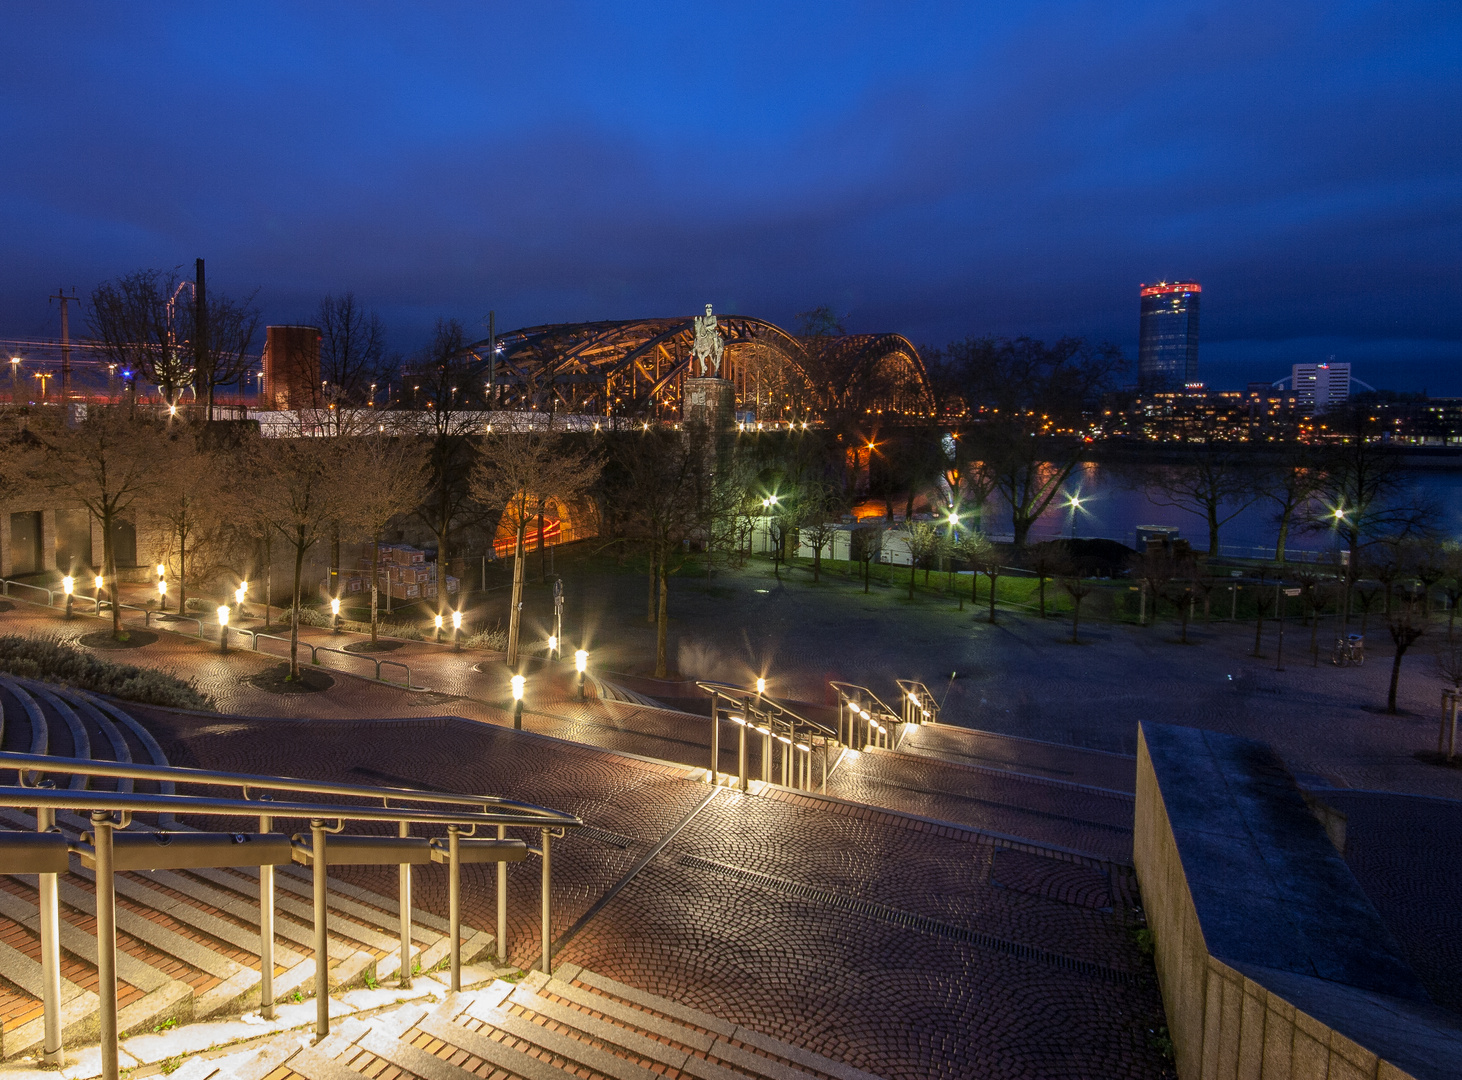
column 1228, row 1024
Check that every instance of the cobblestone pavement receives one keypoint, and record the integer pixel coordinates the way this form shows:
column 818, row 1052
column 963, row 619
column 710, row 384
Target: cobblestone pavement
column 1403, row 850
column 984, row 750
column 873, row 938
column 1088, row 819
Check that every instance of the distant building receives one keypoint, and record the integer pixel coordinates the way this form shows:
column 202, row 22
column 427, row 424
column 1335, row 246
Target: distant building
column 1260, row 414
column 291, row 367
column 1167, row 353
column 1321, row 386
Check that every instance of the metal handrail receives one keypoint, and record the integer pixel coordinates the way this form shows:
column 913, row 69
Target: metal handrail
column 102, row 805
column 246, row 781
column 5, row 584
column 255, row 635
column 774, row 715
column 150, row 612
column 873, row 732
column 919, row 696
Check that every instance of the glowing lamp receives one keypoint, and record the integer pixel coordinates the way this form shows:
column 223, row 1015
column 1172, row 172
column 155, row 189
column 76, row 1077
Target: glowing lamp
column 161, row 570
column 68, row 585
column 99, row 583
column 439, row 622
column 552, row 642
column 335, row 607
column 761, row 686
column 162, row 587
column 456, row 620
column 517, row 688
column 581, row 661
column 222, row 614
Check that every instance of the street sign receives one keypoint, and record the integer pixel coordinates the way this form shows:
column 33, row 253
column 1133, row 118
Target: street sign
column 1291, row 592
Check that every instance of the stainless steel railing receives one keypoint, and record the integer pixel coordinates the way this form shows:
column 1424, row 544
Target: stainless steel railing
column 797, row 735
column 864, row 717
column 919, row 703
column 110, row 811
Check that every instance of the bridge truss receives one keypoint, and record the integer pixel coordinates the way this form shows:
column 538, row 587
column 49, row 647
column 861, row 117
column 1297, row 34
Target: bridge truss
column 637, row 367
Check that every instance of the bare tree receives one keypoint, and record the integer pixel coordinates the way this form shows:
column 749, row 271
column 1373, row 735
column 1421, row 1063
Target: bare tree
column 1209, row 483
column 924, row 541
column 1046, row 561
column 1452, row 582
column 1028, row 402
column 352, row 349
column 1078, row 588
column 184, row 502
column 817, row 505
column 1288, row 486
column 134, row 321
column 297, row 487
column 522, row 473
column 385, row 476
column 1405, row 628
column 108, row 463
column 222, row 337
column 985, row 558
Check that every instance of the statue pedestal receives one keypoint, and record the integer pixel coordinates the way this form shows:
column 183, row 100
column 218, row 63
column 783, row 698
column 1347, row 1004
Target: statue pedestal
column 711, row 402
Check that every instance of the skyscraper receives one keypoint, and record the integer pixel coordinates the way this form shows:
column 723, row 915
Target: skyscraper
column 1167, row 355
column 1320, row 386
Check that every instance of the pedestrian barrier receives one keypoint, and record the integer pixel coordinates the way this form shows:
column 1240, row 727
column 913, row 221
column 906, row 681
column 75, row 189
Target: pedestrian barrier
column 116, row 841
column 6, row 585
column 315, row 650
column 776, row 724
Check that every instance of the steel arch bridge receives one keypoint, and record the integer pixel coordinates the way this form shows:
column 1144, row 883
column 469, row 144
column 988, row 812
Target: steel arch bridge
column 636, row 368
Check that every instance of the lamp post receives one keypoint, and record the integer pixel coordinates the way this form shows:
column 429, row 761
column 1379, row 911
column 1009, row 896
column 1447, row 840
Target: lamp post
column 239, row 595
column 99, row 583
column 335, row 614
column 581, row 665
column 552, row 646
column 1073, row 504
column 457, row 631
column 68, row 586
column 15, row 378
column 439, row 627
column 517, row 703
column 223, row 628
column 162, row 594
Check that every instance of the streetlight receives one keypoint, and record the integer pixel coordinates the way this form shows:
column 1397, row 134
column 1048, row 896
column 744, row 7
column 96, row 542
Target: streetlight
column 239, row 594
column 1073, row 504
column 581, row 664
column 68, row 586
column 223, row 628
column 517, row 703
column 162, row 594
column 335, row 614
column 439, row 627
column 761, row 687
column 14, row 377
column 100, row 584
column 552, row 645
column 457, row 631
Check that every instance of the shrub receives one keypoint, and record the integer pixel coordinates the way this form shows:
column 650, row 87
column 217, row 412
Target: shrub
column 315, row 617
column 52, row 660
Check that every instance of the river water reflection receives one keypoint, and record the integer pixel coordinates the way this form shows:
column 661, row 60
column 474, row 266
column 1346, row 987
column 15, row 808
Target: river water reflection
column 1113, row 506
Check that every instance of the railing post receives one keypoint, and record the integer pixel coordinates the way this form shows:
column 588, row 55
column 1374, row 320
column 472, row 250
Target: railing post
column 454, row 904
column 547, row 928
column 502, row 903
column 50, row 953
column 715, row 740
column 405, row 903
column 824, row 764
column 766, row 757
column 741, row 745
column 106, row 940
column 322, row 942
column 266, row 929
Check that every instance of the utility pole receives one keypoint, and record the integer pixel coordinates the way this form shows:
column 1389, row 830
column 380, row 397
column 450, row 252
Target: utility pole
column 200, row 334
column 65, row 342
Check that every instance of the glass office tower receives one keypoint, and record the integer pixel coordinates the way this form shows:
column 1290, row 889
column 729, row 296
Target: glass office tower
column 1167, row 355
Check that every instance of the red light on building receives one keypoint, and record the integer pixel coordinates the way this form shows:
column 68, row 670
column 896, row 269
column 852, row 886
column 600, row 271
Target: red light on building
column 1163, row 288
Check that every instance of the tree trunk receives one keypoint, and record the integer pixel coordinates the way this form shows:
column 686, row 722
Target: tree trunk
column 993, row 578
column 1213, row 532
column 294, row 622
column 1042, row 588
column 542, row 550
column 1283, row 536
column 182, row 572
column 650, row 592
column 268, row 579
column 662, row 624
column 1075, row 619
column 335, row 561
column 1395, row 677
column 1021, row 527
column 1258, row 621
column 515, row 605
column 913, row 576
column 974, row 586
column 375, row 583
column 816, row 565
column 109, row 570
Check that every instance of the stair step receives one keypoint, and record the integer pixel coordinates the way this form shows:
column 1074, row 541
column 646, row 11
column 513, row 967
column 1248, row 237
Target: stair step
column 373, row 917
column 601, row 1030
column 83, row 945
column 497, row 1054
column 39, row 736
column 193, row 889
column 627, row 1014
column 78, row 1007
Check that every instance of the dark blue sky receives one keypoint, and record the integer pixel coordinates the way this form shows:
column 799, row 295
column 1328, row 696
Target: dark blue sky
column 937, row 170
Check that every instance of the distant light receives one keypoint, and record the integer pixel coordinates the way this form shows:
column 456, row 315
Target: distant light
column 161, row 569
column 162, row 587
column 100, row 584
column 517, row 688
column 439, row 622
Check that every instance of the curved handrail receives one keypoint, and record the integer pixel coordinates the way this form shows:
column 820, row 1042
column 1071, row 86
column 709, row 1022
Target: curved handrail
column 922, row 698
column 528, row 812
column 7, row 582
column 763, row 703
column 842, row 687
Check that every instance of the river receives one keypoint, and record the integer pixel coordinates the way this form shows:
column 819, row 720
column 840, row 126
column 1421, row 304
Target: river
column 1111, row 506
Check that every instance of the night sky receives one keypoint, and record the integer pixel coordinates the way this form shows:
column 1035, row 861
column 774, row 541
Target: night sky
column 936, row 170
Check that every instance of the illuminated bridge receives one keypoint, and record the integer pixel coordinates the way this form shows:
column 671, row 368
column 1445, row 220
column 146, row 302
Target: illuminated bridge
column 636, row 368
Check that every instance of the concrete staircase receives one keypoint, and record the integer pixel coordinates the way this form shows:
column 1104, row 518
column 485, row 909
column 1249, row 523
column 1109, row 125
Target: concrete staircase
column 188, row 940
column 575, row 1024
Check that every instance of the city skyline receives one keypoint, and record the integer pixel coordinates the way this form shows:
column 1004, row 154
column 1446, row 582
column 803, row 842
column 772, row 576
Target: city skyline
column 936, row 174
